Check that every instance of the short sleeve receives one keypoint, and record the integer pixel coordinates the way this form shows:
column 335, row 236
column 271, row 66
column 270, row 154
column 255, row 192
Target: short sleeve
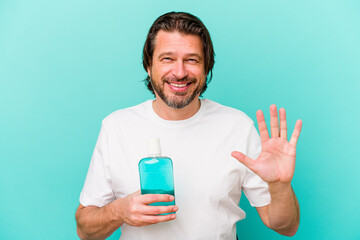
column 255, row 189
column 97, row 190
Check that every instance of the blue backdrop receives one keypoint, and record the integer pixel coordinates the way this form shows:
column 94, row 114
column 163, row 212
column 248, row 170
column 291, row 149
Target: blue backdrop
column 65, row 65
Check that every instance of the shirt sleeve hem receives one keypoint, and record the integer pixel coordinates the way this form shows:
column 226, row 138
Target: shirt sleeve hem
column 260, row 202
column 89, row 201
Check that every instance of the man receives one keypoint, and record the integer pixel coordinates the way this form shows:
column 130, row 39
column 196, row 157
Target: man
column 200, row 136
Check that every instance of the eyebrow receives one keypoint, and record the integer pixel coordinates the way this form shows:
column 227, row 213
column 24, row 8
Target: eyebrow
column 187, row 55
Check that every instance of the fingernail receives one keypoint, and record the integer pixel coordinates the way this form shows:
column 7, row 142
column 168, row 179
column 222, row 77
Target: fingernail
column 175, row 209
column 171, row 198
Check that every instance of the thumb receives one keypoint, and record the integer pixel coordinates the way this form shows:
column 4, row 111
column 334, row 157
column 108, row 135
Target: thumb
column 248, row 162
column 138, row 192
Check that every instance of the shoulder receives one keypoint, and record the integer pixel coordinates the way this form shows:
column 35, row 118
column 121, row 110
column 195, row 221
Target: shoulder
column 226, row 113
column 127, row 114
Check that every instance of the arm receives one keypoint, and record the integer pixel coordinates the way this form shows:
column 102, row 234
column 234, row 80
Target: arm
column 100, row 222
column 276, row 166
column 97, row 223
column 283, row 214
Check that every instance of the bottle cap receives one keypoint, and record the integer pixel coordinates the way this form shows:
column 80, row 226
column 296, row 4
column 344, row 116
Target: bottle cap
column 154, row 148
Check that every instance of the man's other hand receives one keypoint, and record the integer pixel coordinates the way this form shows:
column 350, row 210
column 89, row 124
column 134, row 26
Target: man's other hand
column 136, row 211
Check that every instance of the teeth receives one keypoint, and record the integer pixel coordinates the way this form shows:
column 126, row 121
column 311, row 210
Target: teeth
column 178, row 85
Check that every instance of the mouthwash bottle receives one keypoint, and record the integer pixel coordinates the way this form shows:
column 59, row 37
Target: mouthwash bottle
column 156, row 173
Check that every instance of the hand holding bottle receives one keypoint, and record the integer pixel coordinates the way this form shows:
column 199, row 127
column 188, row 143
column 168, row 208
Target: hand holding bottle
column 136, row 211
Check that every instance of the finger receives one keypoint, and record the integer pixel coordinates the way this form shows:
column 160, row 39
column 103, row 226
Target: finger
column 248, row 162
column 274, row 123
column 151, row 219
column 296, row 133
column 264, row 135
column 151, row 198
column 283, row 126
column 155, row 210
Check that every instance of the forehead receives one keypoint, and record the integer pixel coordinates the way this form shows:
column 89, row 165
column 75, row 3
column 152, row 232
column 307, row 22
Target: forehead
column 178, row 43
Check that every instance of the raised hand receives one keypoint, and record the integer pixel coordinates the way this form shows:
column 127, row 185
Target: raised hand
column 276, row 162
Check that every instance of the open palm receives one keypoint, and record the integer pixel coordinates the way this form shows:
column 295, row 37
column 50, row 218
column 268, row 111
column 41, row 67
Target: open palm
column 276, row 162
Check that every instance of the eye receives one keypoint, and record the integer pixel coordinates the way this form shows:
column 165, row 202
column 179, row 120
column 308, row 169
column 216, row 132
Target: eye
column 192, row 60
column 166, row 59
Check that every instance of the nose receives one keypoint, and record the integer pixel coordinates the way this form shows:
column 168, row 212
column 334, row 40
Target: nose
column 179, row 70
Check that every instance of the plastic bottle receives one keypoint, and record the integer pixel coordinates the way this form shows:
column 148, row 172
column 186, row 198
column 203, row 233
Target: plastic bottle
column 156, row 173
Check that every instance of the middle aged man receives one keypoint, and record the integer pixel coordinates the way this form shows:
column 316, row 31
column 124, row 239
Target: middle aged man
column 200, row 136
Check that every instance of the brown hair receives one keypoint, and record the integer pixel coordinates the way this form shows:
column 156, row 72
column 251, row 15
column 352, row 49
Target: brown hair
column 183, row 23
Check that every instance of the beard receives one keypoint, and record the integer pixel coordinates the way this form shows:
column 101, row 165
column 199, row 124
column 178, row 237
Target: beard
column 180, row 99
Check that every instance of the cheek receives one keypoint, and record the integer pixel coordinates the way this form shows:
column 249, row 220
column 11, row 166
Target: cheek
column 162, row 71
column 197, row 71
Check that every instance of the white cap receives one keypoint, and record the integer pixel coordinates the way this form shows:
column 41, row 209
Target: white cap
column 154, row 148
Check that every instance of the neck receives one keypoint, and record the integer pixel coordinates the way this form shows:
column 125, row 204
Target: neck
column 173, row 114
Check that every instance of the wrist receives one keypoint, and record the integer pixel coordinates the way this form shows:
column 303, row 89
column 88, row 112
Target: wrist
column 116, row 210
column 277, row 188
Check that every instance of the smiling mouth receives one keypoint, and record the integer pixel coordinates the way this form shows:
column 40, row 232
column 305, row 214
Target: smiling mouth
column 178, row 85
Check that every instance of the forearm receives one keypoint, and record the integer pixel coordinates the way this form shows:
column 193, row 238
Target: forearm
column 98, row 223
column 284, row 211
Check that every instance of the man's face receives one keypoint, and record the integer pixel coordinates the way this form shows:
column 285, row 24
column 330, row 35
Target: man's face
column 177, row 72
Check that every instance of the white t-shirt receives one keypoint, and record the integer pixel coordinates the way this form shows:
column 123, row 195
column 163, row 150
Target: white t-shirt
column 208, row 180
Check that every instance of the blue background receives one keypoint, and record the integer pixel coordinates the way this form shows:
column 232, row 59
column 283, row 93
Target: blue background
column 65, row 65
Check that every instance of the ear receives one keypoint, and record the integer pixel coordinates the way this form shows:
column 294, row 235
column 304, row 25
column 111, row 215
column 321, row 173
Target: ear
column 148, row 71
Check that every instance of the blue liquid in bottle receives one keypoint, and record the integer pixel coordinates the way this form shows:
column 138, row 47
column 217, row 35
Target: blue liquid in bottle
column 156, row 174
